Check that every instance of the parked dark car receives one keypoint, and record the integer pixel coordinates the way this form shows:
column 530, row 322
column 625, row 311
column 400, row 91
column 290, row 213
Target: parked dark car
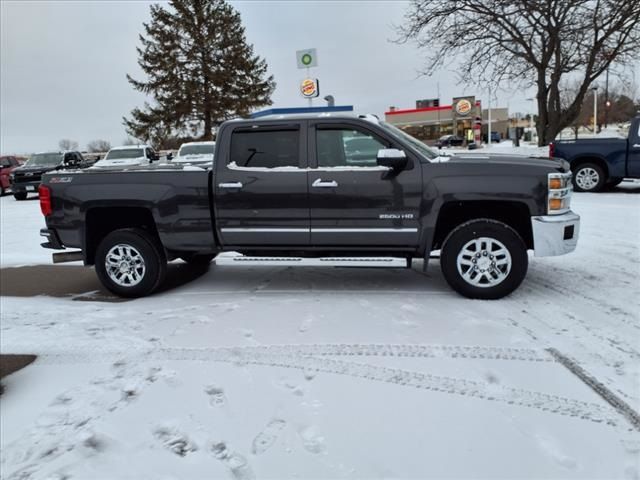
column 26, row 179
column 495, row 137
column 449, row 141
column 7, row 165
column 599, row 163
column 290, row 186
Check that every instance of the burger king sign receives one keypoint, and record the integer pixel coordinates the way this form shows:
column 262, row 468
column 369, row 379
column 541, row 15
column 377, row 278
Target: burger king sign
column 310, row 88
column 463, row 107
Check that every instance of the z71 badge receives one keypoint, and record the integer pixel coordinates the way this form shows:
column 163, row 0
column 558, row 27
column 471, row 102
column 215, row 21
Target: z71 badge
column 61, row 180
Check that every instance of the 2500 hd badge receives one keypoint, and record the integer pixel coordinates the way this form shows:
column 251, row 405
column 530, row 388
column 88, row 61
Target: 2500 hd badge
column 315, row 186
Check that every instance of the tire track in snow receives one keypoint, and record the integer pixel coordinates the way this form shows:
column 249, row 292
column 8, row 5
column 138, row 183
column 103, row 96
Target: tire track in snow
column 464, row 352
column 316, row 358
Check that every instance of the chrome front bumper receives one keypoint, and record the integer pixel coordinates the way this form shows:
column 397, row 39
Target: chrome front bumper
column 555, row 234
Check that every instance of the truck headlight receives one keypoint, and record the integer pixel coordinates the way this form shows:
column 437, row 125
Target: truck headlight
column 560, row 191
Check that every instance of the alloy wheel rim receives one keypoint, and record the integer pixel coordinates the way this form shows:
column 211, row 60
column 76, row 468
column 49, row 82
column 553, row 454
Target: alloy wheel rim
column 125, row 265
column 484, row 262
column 587, row 178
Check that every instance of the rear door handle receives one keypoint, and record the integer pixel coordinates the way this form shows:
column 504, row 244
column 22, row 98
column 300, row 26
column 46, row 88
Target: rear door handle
column 318, row 183
column 230, row 185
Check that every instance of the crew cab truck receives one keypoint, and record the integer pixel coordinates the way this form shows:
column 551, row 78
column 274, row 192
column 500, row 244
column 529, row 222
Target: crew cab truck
column 26, row 178
column 599, row 163
column 289, row 185
column 128, row 155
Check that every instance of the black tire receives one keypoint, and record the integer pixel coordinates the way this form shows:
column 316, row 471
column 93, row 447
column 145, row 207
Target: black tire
column 497, row 231
column 195, row 259
column 148, row 247
column 2, row 191
column 20, row 195
column 590, row 170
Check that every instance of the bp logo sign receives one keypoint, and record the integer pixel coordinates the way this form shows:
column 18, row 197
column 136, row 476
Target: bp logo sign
column 310, row 88
column 463, row 107
column 307, row 58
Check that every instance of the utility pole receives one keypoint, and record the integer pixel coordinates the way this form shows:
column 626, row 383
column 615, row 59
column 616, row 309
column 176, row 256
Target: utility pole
column 607, row 103
column 488, row 119
column 531, row 117
column 595, row 110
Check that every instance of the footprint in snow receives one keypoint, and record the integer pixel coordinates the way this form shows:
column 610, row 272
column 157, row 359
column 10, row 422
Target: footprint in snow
column 312, row 441
column 236, row 463
column 267, row 437
column 175, row 441
column 216, row 395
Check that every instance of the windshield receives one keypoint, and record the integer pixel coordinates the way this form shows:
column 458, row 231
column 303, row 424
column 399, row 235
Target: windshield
column 196, row 150
column 415, row 143
column 124, row 153
column 44, row 160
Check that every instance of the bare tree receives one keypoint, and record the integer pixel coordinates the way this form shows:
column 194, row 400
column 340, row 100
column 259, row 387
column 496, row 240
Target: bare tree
column 66, row 144
column 537, row 43
column 98, row 146
column 130, row 141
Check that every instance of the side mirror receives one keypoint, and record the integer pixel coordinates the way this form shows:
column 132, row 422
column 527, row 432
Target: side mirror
column 392, row 158
column 170, row 156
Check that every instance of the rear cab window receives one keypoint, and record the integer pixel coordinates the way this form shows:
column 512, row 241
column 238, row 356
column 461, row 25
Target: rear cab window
column 265, row 148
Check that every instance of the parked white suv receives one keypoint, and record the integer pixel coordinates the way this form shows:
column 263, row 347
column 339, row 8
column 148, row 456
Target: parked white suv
column 127, row 156
column 195, row 153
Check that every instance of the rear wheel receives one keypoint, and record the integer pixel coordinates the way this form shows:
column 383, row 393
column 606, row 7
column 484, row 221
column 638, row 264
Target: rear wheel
column 484, row 259
column 588, row 177
column 130, row 262
column 20, row 195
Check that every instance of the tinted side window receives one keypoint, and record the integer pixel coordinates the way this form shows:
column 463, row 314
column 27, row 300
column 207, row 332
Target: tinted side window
column 5, row 162
column 346, row 147
column 265, row 149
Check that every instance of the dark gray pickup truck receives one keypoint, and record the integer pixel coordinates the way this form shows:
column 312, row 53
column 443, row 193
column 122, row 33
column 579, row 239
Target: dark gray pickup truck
column 598, row 163
column 316, row 185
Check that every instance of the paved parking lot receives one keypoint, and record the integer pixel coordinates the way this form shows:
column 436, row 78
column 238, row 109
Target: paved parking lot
column 241, row 368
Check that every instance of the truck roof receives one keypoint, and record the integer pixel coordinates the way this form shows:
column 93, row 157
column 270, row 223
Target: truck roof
column 126, row 147
column 307, row 116
column 198, row 143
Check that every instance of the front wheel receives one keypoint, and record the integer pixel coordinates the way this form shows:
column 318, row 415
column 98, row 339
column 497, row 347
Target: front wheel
column 484, row 259
column 130, row 262
column 588, row 177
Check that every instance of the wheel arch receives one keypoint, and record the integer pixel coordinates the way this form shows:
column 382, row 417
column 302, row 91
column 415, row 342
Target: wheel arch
column 512, row 213
column 100, row 221
column 595, row 159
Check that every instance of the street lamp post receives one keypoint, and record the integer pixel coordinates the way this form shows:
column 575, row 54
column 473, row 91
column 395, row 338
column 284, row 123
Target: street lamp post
column 595, row 109
column 531, row 116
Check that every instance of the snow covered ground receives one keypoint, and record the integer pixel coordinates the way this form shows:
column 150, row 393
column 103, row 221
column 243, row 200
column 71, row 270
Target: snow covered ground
column 280, row 370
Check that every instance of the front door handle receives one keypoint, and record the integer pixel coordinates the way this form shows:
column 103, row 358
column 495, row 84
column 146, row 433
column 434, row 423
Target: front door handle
column 636, row 145
column 230, row 185
column 318, row 183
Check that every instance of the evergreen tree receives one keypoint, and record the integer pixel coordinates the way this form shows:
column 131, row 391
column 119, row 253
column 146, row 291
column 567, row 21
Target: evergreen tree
column 200, row 70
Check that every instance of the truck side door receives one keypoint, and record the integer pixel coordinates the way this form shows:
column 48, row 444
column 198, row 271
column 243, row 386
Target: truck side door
column 260, row 185
column 352, row 200
column 633, row 153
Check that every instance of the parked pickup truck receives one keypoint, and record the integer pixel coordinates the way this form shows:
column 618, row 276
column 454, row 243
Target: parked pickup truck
column 599, row 163
column 26, row 179
column 287, row 185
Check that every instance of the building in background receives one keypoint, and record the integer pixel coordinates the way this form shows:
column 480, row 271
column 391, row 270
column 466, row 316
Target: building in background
column 464, row 118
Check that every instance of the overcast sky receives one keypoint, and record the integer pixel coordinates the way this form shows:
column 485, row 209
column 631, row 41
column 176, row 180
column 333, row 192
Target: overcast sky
column 63, row 64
